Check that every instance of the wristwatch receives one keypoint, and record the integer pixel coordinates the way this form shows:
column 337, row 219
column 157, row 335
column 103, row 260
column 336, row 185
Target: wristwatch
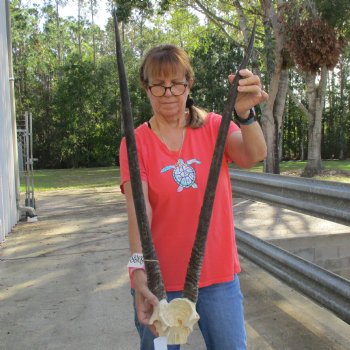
column 251, row 117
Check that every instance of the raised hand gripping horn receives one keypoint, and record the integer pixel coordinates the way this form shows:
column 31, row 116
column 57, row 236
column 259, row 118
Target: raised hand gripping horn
column 176, row 319
column 154, row 278
column 194, row 267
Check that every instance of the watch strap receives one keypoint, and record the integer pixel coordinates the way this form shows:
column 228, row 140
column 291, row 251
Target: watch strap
column 247, row 121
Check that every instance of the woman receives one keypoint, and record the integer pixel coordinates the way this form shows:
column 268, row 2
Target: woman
column 180, row 134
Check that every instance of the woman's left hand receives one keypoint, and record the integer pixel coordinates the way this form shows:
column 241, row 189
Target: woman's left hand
column 250, row 92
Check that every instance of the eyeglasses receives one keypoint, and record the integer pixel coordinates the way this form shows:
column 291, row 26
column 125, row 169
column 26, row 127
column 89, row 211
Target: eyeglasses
column 176, row 89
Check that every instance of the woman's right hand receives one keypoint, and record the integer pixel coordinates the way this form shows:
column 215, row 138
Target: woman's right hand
column 145, row 300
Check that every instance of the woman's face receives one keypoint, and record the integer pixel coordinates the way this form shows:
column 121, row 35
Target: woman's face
column 169, row 106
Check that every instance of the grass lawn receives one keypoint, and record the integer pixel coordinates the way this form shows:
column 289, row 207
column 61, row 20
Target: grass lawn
column 334, row 170
column 45, row 180
column 54, row 179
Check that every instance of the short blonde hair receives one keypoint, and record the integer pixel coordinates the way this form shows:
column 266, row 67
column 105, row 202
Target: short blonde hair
column 165, row 60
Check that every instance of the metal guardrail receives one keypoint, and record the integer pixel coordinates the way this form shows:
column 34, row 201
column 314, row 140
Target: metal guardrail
column 326, row 288
column 325, row 199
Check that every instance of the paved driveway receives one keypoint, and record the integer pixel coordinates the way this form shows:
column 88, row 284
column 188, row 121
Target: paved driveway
column 64, row 285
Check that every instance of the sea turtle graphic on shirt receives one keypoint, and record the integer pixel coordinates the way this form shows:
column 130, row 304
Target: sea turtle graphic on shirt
column 183, row 174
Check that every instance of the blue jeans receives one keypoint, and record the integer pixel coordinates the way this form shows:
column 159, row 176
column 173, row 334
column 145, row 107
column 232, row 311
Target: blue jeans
column 220, row 307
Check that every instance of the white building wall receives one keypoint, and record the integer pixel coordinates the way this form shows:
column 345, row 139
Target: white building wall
column 8, row 210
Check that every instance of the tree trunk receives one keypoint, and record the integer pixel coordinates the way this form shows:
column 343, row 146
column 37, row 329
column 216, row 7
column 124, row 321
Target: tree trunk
column 316, row 95
column 302, row 141
column 93, row 31
column 58, row 34
column 272, row 124
column 273, row 110
column 278, row 115
column 341, row 110
column 79, row 26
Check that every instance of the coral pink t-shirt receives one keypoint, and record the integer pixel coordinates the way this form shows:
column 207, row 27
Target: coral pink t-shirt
column 176, row 186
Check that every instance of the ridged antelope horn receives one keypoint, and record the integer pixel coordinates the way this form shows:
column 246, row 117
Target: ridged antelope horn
column 154, row 277
column 196, row 260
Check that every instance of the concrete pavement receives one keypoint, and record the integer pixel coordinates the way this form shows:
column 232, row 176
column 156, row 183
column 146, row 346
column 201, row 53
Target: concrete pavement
column 64, row 285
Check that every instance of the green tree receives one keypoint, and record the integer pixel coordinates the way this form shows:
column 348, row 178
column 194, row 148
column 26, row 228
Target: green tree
column 213, row 59
column 65, row 73
column 315, row 47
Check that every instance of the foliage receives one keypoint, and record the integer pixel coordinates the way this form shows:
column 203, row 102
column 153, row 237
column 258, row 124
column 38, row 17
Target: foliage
column 74, row 113
column 315, row 45
column 311, row 41
column 211, row 85
column 335, row 13
column 65, row 72
column 124, row 8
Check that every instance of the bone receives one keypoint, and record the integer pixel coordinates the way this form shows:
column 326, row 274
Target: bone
column 175, row 320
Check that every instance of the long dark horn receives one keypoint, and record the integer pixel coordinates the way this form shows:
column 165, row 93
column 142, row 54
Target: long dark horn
column 154, row 277
column 196, row 260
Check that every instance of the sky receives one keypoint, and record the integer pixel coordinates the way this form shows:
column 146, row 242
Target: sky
column 71, row 9
column 100, row 18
